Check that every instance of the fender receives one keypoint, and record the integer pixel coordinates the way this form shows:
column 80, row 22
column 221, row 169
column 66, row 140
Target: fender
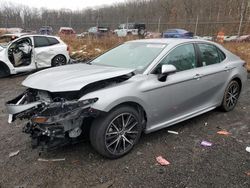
column 108, row 99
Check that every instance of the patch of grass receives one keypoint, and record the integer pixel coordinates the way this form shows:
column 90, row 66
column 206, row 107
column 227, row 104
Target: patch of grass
column 87, row 48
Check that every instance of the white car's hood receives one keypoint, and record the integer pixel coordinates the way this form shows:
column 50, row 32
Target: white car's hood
column 72, row 77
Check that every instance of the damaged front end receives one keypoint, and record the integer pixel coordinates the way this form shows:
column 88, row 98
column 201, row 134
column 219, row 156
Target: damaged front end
column 52, row 120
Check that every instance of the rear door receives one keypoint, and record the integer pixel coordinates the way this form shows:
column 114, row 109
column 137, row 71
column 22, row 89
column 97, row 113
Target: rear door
column 212, row 75
column 44, row 50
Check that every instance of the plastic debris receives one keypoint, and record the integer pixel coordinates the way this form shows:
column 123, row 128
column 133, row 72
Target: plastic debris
column 139, row 153
column 206, row 123
column 12, row 154
column 173, row 132
column 162, row 161
column 50, row 160
column 223, row 132
column 98, row 50
column 206, row 144
column 248, row 149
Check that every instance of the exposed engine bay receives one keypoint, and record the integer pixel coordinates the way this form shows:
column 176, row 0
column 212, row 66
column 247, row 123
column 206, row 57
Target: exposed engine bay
column 56, row 119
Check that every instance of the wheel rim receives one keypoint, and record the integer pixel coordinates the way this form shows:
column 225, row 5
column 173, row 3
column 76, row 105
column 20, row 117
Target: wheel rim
column 232, row 95
column 59, row 60
column 121, row 133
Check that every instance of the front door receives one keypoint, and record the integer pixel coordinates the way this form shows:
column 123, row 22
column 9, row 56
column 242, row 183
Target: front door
column 178, row 96
column 20, row 54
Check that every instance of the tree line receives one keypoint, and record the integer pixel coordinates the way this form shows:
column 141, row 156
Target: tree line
column 205, row 17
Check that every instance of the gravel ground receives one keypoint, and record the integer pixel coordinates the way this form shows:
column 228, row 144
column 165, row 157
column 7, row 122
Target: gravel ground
column 223, row 165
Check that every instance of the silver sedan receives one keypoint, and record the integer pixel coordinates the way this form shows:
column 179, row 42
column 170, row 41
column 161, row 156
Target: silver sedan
column 139, row 86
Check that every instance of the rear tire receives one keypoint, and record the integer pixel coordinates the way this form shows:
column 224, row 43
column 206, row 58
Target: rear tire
column 58, row 61
column 231, row 96
column 115, row 134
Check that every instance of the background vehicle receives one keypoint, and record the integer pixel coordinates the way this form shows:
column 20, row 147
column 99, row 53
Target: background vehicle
column 140, row 86
column 244, row 38
column 6, row 38
column 131, row 29
column 82, row 35
column 32, row 52
column 99, row 31
column 230, row 38
column 209, row 38
column 46, row 30
column 67, row 31
column 177, row 33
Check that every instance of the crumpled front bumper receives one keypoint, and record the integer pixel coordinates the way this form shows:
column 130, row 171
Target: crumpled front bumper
column 51, row 124
column 52, row 112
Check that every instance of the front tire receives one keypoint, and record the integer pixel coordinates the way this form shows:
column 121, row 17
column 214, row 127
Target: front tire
column 115, row 134
column 231, row 96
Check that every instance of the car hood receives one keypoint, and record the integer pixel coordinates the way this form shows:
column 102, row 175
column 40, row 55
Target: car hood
column 72, row 77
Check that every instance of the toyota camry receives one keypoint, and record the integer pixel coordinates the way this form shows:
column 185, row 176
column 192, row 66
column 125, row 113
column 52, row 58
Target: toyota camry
column 138, row 87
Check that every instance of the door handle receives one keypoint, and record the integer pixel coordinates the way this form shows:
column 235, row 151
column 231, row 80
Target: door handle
column 198, row 76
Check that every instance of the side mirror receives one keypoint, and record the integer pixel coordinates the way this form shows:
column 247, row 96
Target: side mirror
column 165, row 71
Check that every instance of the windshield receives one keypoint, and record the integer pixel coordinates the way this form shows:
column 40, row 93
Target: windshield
column 130, row 55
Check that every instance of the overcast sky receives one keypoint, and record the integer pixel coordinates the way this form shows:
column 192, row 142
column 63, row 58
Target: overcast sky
column 58, row 4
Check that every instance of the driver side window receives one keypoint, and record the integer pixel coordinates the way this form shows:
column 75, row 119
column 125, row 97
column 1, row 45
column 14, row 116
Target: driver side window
column 182, row 57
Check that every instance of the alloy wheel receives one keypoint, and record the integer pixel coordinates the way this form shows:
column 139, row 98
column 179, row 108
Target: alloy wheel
column 232, row 95
column 122, row 133
column 58, row 61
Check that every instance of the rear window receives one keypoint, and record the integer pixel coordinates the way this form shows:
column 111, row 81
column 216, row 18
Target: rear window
column 52, row 41
column 221, row 55
column 41, row 41
column 210, row 54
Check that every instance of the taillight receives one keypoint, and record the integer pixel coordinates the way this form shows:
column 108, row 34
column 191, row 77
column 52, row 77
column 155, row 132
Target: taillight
column 68, row 48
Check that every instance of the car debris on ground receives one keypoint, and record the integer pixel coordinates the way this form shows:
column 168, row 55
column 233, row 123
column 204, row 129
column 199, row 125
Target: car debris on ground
column 223, row 132
column 12, row 154
column 173, row 132
column 50, row 160
column 206, row 143
column 162, row 161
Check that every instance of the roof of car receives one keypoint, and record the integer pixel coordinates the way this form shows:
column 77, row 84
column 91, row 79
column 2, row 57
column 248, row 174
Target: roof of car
column 168, row 40
column 14, row 34
column 66, row 28
column 38, row 35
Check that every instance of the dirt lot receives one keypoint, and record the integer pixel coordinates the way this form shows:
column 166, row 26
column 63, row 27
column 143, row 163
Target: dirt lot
column 223, row 165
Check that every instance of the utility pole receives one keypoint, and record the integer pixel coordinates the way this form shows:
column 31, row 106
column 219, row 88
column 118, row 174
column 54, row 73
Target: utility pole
column 196, row 25
column 127, row 23
column 98, row 14
column 159, row 24
column 70, row 19
column 241, row 16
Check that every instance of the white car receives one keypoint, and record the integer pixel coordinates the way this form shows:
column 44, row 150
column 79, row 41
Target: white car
column 209, row 38
column 31, row 52
column 230, row 38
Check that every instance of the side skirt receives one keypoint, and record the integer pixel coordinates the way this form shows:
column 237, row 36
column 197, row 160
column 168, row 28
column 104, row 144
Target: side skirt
column 178, row 120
